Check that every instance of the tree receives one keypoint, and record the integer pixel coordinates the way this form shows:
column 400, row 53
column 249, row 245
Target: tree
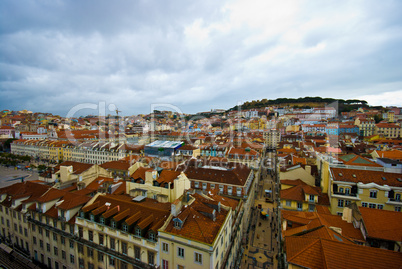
column 378, row 118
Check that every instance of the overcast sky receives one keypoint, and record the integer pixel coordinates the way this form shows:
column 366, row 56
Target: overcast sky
column 60, row 56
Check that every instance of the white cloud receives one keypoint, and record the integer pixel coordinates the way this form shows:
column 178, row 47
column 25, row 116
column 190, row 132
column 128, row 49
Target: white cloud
column 199, row 56
column 384, row 98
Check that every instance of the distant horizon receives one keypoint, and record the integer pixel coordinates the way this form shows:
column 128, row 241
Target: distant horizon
column 111, row 109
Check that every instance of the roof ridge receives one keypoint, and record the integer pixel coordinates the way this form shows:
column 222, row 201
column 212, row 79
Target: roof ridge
column 323, row 255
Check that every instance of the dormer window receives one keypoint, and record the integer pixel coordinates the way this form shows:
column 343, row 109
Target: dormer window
column 82, row 214
column 92, row 217
column 152, row 236
column 311, row 198
column 113, row 223
column 125, row 227
column 138, row 232
column 102, row 220
column 177, row 223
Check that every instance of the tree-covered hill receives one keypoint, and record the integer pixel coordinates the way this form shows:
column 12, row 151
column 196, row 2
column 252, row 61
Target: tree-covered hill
column 301, row 102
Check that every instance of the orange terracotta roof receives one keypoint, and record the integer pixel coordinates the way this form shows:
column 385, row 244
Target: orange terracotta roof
column 167, row 176
column 317, row 253
column 237, row 176
column 390, row 154
column 116, row 165
column 140, row 173
column 366, row 176
column 196, row 225
column 78, row 168
column 382, row 224
column 311, row 220
column 117, row 206
column 51, row 195
column 72, row 200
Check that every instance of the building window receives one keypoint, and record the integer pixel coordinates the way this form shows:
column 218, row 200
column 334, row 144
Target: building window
column 41, row 244
column 91, row 236
column 137, row 253
column 340, row 190
column 339, row 214
column 71, row 244
column 101, row 239
column 197, row 257
column 138, row 232
column 398, row 208
column 151, row 257
column 80, row 232
column 72, row 260
column 299, row 206
column 380, row 206
column 230, row 190
column 220, row 188
column 311, row 198
column 165, row 264
column 347, row 191
column 80, row 248
column 397, row 197
column 48, row 247
column 100, row 256
column 364, row 204
column 152, row 236
column 340, row 203
column 111, row 261
column 55, row 237
column 90, row 252
column 372, row 205
column 102, row 220
column 125, row 227
column 180, row 252
column 63, row 254
column 124, row 248
column 81, row 262
column 112, row 244
column 92, row 217
column 373, row 194
column 123, row 265
column 165, row 247
column 196, row 185
column 347, row 202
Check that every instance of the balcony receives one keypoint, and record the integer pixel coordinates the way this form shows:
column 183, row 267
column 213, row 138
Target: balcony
column 345, row 194
column 393, row 201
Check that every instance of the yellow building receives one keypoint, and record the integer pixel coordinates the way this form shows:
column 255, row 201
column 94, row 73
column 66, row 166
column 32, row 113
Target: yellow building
column 297, row 195
column 199, row 233
column 164, row 187
column 366, row 126
column 373, row 189
column 388, row 130
column 68, row 173
column 117, row 231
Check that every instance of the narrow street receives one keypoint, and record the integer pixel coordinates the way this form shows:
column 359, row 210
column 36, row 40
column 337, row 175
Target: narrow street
column 262, row 243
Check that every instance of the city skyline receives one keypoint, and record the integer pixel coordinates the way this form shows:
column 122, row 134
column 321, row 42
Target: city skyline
column 55, row 56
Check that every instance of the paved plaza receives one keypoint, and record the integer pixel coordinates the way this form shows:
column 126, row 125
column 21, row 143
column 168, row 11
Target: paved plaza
column 10, row 175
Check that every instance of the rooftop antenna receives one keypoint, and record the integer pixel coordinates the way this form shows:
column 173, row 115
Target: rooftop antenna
column 117, row 111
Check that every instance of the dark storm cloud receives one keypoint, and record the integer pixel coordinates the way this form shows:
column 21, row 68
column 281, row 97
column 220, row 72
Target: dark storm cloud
column 55, row 55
